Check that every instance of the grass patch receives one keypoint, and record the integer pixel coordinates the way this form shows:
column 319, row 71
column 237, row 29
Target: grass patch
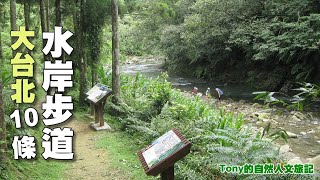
column 37, row 169
column 123, row 153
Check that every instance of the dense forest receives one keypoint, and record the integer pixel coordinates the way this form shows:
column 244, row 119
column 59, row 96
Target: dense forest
column 276, row 42
column 270, row 45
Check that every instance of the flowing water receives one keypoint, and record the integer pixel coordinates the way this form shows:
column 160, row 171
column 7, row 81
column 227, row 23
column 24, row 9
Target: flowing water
column 153, row 69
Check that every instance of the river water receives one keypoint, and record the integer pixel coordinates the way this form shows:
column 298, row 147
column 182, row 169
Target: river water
column 153, row 70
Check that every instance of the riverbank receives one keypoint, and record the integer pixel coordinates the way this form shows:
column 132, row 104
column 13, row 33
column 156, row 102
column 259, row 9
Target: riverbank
column 303, row 128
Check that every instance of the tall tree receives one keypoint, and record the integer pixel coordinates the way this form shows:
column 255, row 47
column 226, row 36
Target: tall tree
column 115, row 53
column 1, row 26
column 2, row 123
column 43, row 22
column 13, row 19
column 83, row 60
column 76, row 30
column 26, row 8
column 47, row 11
column 3, row 145
column 58, row 12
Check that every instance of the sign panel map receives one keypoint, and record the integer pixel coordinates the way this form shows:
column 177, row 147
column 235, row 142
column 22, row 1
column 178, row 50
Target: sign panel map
column 97, row 92
column 161, row 148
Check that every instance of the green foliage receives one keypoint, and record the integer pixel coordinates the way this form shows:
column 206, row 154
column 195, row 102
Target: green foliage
column 279, row 133
column 149, row 108
column 6, row 78
column 308, row 95
column 140, row 30
column 228, row 146
column 267, row 97
column 96, row 13
column 105, row 77
column 223, row 36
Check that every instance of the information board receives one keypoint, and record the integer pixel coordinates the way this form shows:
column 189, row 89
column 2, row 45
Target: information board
column 162, row 153
column 98, row 92
column 162, row 148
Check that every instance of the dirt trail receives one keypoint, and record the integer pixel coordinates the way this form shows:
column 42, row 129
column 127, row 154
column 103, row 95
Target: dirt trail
column 90, row 162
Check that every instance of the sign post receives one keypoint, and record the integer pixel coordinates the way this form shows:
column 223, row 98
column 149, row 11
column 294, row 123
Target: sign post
column 97, row 96
column 163, row 153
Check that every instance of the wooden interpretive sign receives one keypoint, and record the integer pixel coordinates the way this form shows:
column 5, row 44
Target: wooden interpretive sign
column 98, row 93
column 161, row 154
column 97, row 97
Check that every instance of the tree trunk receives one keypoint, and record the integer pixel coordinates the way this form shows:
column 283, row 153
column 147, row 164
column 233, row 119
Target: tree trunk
column 58, row 12
column 115, row 53
column 76, row 30
column 93, row 73
column 43, row 24
column 13, row 20
column 59, row 21
column 26, row 8
column 3, row 145
column 47, row 10
column 83, row 63
column 1, row 25
column 2, row 122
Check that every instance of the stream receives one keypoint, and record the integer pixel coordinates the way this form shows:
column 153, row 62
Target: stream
column 153, row 69
column 304, row 128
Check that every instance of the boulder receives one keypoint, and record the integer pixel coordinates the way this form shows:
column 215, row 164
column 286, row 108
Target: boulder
column 303, row 133
column 284, row 149
column 316, row 162
column 255, row 105
column 295, row 118
column 259, row 123
column 266, row 120
column 242, row 101
column 292, row 135
column 299, row 115
column 288, row 156
column 313, row 153
column 295, row 160
column 310, row 131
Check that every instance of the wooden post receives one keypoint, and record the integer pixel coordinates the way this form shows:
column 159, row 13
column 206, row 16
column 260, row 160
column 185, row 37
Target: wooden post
column 168, row 174
column 101, row 114
column 97, row 97
column 92, row 109
column 96, row 113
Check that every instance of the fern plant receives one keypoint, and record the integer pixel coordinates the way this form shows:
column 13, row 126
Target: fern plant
column 235, row 148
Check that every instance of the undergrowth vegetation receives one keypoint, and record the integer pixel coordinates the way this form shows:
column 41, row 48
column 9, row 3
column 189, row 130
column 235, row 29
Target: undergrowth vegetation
column 308, row 95
column 150, row 107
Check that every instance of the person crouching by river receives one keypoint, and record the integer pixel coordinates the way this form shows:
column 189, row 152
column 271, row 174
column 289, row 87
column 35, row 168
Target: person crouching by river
column 208, row 93
column 220, row 94
column 194, row 91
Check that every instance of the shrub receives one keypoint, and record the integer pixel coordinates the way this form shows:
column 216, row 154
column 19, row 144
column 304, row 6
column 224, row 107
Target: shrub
column 150, row 108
